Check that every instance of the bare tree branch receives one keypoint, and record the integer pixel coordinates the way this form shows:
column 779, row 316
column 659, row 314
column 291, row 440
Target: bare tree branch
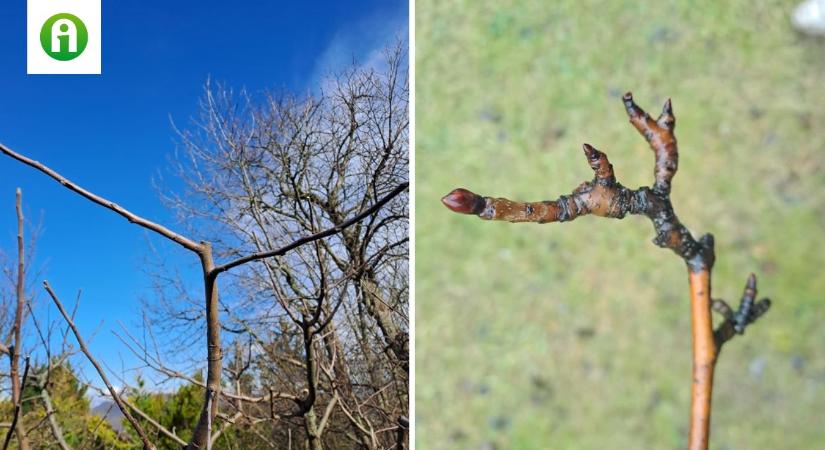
column 57, row 431
column 17, row 406
column 154, row 423
column 320, row 235
column 17, row 325
column 130, row 216
column 115, row 396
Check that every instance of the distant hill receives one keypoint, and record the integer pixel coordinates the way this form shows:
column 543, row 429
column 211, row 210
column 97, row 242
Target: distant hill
column 109, row 410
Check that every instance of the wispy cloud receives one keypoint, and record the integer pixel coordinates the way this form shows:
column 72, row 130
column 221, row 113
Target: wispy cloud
column 361, row 42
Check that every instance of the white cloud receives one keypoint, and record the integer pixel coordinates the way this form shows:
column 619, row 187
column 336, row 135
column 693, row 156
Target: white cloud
column 362, row 42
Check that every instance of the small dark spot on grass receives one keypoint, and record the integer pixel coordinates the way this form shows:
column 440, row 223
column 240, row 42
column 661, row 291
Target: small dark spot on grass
column 614, row 92
column 458, row 435
column 483, row 389
column 527, row 32
column 585, row 333
column 755, row 112
column 489, row 114
column 663, row 35
column 483, row 330
column 559, row 132
column 499, row 423
column 541, row 390
column 798, row 363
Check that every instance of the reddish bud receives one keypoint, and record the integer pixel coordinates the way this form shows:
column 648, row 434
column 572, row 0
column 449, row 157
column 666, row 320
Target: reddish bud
column 463, row 201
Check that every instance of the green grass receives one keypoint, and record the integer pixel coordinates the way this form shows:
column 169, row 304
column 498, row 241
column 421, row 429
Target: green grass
column 576, row 335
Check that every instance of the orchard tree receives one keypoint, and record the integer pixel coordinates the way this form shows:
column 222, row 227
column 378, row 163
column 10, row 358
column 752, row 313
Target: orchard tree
column 299, row 205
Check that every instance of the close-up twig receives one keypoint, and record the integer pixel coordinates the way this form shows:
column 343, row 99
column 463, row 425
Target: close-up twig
column 604, row 196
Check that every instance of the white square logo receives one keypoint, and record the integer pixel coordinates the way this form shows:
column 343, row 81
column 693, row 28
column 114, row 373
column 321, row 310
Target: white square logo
column 63, row 37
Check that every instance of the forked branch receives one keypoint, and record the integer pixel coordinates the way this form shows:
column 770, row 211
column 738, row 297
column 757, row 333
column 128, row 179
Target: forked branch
column 604, row 196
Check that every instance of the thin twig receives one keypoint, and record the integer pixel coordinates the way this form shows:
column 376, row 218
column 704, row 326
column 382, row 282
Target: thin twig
column 115, row 396
column 155, row 423
column 17, row 407
column 227, row 422
column 17, row 326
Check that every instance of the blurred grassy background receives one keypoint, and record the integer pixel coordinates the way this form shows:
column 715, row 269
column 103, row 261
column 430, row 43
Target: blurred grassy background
column 576, row 335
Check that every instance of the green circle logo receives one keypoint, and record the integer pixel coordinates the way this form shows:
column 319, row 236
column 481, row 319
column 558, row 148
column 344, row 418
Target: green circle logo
column 64, row 37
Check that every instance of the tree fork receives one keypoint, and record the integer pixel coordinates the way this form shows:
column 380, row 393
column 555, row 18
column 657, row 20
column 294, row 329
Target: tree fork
column 606, row 197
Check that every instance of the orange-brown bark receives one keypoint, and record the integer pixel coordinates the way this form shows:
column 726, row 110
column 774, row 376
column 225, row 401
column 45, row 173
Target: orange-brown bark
column 704, row 360
column 659, row 133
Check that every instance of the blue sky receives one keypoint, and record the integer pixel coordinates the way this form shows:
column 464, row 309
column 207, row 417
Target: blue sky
column 111, row 133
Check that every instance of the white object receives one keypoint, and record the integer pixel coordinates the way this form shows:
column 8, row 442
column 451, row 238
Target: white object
column 70, row 34
column 809, row 17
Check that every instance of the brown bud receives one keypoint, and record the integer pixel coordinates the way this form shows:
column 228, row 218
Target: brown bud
column 464, row 202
